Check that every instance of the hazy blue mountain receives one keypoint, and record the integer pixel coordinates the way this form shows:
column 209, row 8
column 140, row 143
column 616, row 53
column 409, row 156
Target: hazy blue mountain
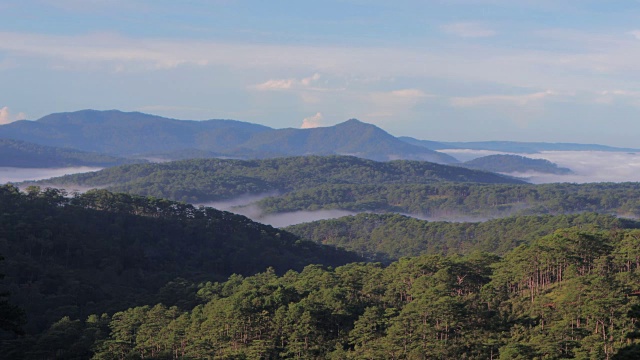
column 130, row 133
column 433, row 145
column 515, row 146
column 352, row 137
column 142, row 135
column 15, row 153
column 514, row 163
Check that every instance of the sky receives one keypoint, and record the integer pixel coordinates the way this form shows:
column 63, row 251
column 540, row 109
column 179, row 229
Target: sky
column 447, row 70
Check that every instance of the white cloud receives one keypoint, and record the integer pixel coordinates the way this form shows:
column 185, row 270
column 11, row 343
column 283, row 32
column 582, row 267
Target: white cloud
column 583, row 65
column 468, row 30
column 307, row 81
column 519, row 100
column 287, row 84
column 6, row 117
column 283, row 84
column 587, row 166
column 312, row 121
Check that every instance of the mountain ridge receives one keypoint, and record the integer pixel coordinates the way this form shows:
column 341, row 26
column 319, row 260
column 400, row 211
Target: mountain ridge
column 523, row 147
column 130, row 134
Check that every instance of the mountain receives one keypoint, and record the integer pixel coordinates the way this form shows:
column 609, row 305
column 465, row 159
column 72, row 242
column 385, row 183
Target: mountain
column 433, row 145
column 352, row 137
column 15, row 153
column 515, row 146
column 513, row 164
column 137, row 134
column 129, row 133
column 201, row 180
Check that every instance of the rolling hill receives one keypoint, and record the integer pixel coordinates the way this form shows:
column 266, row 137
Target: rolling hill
column 103, row 252
column 515, row 164
column 202, row 180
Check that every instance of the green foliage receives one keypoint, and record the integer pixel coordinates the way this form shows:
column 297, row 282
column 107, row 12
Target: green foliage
column 103, row 252
column 204, row 180
column 385, row 237
column 465, row 201
column 514, row 163
column 566, row 295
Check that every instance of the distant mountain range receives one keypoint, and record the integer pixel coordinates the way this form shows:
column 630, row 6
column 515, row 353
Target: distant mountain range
column 131, row 134
column 135, row 135
column 15, row 153
column 513, row 146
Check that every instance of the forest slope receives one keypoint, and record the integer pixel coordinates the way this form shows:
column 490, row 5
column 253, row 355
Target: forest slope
column 464, row 201
column 101, row 251
column 385, row 237
column 203, row 180
column 514, row 164
column 568, row 295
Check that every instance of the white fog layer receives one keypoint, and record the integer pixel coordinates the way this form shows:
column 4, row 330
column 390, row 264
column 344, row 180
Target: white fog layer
column 587, row 166
column 13, row 174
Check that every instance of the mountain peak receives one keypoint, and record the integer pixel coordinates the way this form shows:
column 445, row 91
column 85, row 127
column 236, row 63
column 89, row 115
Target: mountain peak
column 354, row 122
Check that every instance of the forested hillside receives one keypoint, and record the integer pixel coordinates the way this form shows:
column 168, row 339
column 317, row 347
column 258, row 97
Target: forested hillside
column 514, row 164
column 103, row 252
column 386, row 237
column 204, row 180
column 465, row 201
column 568, row 295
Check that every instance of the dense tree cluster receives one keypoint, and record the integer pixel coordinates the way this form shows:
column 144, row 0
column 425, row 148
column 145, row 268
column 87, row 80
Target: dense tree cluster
column 385, row 237
column 349, row 183
column 101, row 252
column 465, row 200
column 202, row 180
column 103, row 275
column 514, row 164
column 568, row 295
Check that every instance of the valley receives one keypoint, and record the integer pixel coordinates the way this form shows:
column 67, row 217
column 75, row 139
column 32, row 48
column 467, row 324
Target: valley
column 263, row 252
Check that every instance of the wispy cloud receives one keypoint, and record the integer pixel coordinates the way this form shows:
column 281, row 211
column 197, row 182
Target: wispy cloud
column 562, row 70
column 395, row 104
column 612, row 96
column 468, row 29
column 520, row 100
column 287, row 84
column 6, row 117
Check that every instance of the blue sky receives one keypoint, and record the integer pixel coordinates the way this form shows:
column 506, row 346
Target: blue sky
column 456, row 70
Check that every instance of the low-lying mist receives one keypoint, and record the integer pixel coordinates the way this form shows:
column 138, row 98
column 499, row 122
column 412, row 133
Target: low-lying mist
column 14, row 174
column 587, row 166
column 245, row 205
column 298, row 217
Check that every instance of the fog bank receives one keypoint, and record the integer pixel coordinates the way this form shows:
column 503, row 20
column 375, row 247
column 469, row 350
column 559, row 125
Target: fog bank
column 588, row 166
column 14, row 175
